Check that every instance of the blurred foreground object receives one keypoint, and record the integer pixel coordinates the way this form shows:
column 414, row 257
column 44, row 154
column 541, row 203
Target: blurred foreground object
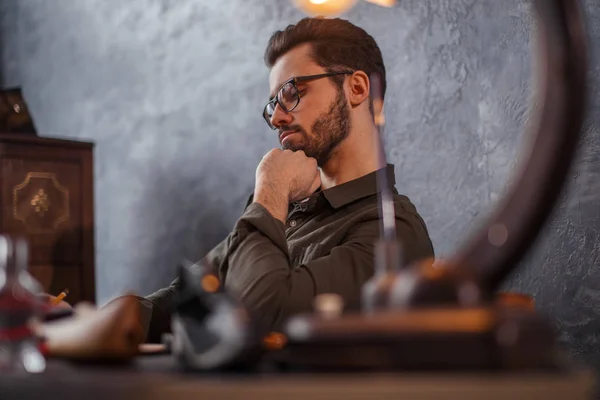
column 57, row 300
column 112, row 333
column 515, row 300
column 19, row 310
column 211, row 330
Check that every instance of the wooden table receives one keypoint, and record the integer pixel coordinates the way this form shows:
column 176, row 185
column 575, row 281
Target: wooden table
column 157, row 377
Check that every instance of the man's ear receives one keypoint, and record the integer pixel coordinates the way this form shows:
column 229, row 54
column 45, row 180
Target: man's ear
column 360, row 86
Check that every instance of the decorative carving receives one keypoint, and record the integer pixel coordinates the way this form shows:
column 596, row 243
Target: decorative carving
column 41, row 202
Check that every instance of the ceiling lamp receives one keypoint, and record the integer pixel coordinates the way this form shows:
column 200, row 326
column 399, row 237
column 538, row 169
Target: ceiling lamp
column 329, row 8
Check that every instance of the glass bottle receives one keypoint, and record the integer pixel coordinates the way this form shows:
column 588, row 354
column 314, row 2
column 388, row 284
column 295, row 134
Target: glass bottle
column 19, row 310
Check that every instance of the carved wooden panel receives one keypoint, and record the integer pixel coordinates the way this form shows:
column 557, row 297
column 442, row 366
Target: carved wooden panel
column 47, row 196
column 45, row 205
column 41, row 202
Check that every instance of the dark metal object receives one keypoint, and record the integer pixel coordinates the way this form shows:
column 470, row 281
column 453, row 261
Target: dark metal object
column 434, row 339
column 388, row 250
column 211, row 331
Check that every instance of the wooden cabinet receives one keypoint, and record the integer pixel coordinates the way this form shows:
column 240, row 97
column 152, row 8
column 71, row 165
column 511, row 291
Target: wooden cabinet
column 48, row 197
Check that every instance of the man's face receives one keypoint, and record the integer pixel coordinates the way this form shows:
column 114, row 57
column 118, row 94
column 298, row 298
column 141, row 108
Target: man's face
column 321, row 120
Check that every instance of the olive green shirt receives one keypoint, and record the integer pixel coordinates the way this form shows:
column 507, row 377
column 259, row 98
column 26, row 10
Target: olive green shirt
column 326, row 246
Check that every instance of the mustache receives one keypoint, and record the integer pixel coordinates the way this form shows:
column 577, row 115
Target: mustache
column 284, row 128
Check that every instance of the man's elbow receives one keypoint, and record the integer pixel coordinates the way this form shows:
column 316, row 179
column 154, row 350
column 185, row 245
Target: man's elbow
column 270, row 309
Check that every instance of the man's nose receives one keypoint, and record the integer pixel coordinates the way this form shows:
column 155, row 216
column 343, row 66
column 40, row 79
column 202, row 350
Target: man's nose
column 280, row 117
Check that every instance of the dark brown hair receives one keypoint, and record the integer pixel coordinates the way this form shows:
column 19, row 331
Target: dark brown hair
column 336, row 44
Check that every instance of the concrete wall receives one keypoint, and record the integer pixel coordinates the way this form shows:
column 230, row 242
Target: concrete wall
column 171, row 92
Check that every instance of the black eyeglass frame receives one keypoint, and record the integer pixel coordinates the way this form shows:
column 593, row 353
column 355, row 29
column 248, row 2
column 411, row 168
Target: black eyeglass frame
column 294, row 81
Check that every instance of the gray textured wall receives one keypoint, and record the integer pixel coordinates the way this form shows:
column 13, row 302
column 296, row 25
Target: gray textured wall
column 171, row 91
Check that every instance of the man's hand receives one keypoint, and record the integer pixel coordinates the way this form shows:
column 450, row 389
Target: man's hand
column 284, row 176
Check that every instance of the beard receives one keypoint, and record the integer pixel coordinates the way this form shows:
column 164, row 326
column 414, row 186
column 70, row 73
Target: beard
column 328, row 131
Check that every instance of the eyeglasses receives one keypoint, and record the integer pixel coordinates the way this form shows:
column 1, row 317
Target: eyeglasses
column 288, row 97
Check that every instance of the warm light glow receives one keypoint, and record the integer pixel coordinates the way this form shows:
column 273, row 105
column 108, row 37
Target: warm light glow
column 326, row 8
column 210, row 283
column 384, row 3
column 330, row 8
column 275, row 341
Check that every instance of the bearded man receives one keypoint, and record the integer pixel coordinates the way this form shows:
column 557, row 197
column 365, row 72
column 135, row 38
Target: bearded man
column 311, row 224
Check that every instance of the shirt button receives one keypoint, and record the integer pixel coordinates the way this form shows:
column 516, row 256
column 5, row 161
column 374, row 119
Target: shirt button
column 293, row 223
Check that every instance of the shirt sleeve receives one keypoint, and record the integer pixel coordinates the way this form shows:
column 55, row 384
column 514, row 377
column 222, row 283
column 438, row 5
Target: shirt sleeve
column 253, row 263
column 158, row 306
column 258, row 270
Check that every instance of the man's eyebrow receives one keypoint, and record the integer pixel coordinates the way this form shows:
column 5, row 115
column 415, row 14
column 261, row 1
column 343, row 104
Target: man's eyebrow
column 271, row 95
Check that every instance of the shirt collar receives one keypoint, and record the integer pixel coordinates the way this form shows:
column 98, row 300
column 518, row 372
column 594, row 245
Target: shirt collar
column 346, row 193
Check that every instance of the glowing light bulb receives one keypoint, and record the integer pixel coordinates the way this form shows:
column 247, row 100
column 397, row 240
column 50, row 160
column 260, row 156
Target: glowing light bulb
column 384, row 3
column 327, row 8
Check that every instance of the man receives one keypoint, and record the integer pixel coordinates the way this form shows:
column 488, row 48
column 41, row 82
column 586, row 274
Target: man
column 311, row 224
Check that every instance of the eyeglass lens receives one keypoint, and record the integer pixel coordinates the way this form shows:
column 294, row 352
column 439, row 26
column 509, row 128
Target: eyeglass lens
column 287, row 98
